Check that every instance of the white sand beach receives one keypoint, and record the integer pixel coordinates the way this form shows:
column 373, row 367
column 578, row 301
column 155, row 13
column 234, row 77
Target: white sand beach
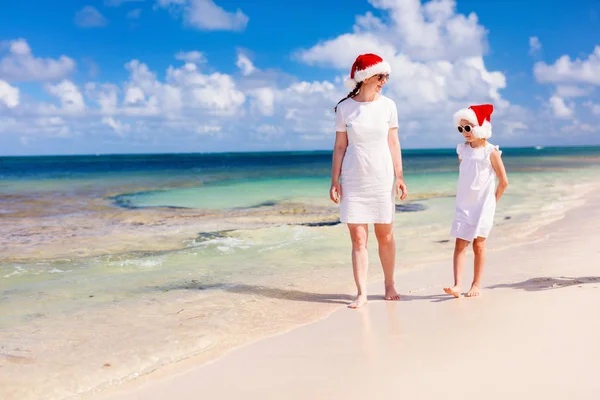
column 533, row 334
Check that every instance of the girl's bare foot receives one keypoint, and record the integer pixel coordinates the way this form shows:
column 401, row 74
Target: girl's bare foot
column 390, row 293
column 474, row 291
column 454, row 291
column 360, row 301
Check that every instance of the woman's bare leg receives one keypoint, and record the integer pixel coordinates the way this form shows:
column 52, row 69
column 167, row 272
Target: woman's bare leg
column 359, row 234
column 387, row 255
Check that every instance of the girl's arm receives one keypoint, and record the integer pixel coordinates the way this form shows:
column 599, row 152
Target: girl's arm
column 339, row 150
column 498, row 166
column 394, row 145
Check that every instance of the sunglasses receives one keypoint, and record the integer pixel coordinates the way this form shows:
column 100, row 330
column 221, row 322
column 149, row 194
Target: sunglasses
column 381, row 77
column 466, row 128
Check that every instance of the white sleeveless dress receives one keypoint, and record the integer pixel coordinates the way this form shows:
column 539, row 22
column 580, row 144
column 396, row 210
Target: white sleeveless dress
column 476, row 192
column 367, row 177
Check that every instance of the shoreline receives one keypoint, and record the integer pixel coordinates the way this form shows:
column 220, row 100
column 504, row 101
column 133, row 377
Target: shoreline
column 188, row 370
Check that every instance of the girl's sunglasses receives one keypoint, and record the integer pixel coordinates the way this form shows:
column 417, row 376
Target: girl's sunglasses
column 381, row 77
column 466, row 128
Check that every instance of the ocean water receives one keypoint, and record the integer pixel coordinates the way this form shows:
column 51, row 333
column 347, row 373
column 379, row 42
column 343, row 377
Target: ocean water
column 112, row 266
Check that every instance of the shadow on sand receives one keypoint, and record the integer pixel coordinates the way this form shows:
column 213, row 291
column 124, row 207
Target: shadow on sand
column 547, row 283
column 293, row 294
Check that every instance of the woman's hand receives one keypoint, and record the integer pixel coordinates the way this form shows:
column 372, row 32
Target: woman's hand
column 335, row 192
column 401, row 190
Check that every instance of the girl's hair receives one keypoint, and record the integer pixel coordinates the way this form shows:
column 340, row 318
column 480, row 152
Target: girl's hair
column 484, row 141
column 350, row 95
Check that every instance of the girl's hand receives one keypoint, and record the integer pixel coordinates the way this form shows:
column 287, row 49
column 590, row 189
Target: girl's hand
column 335, row 192
column 401, row 190
column 500, row 171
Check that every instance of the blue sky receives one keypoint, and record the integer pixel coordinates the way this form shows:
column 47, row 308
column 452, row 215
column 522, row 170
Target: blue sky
column 130, row 76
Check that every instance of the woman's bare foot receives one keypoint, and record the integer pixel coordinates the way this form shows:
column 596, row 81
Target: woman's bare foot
column 474, row 291
column 454, row 291
column 390, row 293
column 360, row 301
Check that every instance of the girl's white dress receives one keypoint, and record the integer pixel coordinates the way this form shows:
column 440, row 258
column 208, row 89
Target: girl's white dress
column 476, row 192
column 367, row 177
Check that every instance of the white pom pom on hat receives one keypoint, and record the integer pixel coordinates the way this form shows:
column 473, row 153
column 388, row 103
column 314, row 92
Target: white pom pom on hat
column 479, row 116
column 365, row 66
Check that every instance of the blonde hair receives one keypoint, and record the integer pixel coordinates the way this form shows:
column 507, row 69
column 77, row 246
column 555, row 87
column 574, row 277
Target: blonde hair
column 483, row 141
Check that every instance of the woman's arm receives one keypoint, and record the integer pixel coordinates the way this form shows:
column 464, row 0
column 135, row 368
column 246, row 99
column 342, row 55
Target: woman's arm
column 498, row 166
column 339, row 150
column 394, row 145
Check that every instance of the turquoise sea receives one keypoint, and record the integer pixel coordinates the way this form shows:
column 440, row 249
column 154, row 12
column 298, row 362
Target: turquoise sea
column 114, row 265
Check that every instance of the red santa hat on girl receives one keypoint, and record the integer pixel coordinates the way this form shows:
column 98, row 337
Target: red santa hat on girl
column 365, row 66
column 479, row 116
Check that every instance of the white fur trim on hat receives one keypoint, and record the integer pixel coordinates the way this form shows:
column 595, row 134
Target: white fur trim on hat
column 482, row 132
column 350, row 83
column 382, row 67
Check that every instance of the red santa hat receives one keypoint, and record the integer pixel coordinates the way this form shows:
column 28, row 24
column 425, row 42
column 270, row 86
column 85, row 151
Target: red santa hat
column 479, row 116
column 365, row 66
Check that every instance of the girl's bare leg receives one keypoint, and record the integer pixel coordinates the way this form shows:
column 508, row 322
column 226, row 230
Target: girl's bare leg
column 479, row 251
column 460, row 251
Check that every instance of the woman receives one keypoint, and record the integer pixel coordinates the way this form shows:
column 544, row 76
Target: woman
column 366, row 159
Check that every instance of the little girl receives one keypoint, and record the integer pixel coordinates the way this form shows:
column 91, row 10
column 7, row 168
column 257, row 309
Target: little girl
column 477, row 194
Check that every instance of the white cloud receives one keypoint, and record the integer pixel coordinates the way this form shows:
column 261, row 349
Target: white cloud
column 568, row 91
column 574, row 79
column 514, row 127
column 534, row 45
column 185, row 96
column 342, row 51
column 215, row 93
column 425, row 32
column 8, row 95
column 208, row 129
column 70, row 97
column 20, row 47
column 206, row 15
column 19, row 64
column 244, row 64
column 307, row 108
column 195, row 57
column 263, row 101
column 134, row 96
column 134, row 14
column 117, row 126
column 39, row 126
column 368, row 22
column 55, row 126
column 268, row 132
column 117, row 3
column 559, row 108
column 105, row 95
column 594, row 108
column 90, row 17
column 578, row 128
column 565, row 70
